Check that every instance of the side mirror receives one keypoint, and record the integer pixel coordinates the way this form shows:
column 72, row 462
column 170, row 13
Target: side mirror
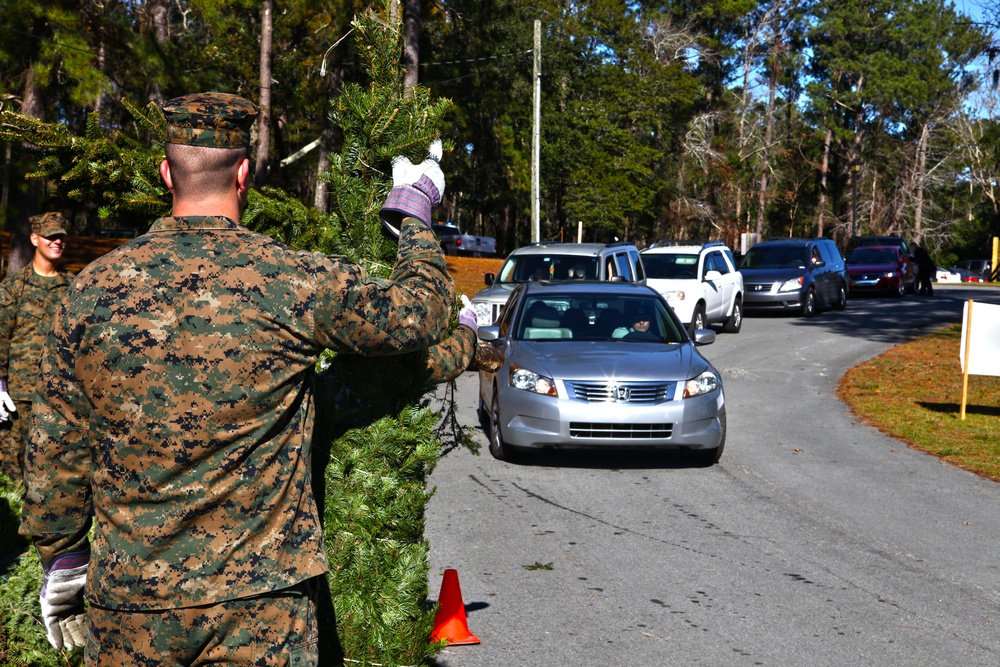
column 712, row 276
column 489, row 278
column 488, row 333
column 701, row 336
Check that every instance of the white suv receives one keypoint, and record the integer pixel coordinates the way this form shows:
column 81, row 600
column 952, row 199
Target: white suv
column 699, row 280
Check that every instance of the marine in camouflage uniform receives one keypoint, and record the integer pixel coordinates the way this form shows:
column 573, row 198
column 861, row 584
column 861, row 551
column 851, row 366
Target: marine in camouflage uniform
column 28, row 300
column 175, row 407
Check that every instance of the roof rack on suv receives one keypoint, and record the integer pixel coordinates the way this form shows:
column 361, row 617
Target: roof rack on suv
column 665, row 243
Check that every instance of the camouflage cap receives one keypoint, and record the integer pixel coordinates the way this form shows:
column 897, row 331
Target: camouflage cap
column 212, row 120
column 49, row 224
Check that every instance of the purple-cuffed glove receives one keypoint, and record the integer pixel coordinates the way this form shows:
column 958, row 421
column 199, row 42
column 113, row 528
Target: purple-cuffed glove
column 467, row 316
column 61, row 599
column 416, row 189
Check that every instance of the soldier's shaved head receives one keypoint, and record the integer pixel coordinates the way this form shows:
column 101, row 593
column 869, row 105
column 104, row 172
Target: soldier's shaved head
column 199, row 172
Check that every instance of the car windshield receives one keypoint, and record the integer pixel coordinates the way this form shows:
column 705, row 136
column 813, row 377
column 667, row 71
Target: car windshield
column 600, row 317
column 872, row 256
column 522, row 268
column 670, row 266
column 775, row 257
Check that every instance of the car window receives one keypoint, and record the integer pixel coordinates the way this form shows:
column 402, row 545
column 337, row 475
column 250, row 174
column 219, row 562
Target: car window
column 637, row 263
column 872, row 256
column 716, row 262
column 671, row 266
column 525, row 268
column 775, row 257
column 729, row 255
column 815, row 257
column 562, row 317
column 507, row 314
column 624, row 268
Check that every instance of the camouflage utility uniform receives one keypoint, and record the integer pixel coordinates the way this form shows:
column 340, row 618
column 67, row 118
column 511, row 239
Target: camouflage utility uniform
column 27, row 303
column 176, row 406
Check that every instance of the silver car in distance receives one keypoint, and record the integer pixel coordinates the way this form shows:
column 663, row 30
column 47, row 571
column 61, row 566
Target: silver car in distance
column 599, row 365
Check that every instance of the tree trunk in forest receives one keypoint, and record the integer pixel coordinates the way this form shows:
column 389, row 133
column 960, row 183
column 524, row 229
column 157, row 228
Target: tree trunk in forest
column 411, row 43
column 765, row 168
column 264, row 116
column 918, row 181
column 158, row 22
column 824, row 172
column 25, row 204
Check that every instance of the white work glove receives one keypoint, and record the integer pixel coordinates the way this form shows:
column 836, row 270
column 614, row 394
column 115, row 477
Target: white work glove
column 6, row 402
column 63, row 612
column 467, row 315
column 416, row 189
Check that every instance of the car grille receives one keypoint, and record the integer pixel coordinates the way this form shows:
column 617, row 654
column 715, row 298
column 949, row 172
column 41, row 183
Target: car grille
column 759, row 287
column 646, row 393
column 497, row 307
column 620, row 431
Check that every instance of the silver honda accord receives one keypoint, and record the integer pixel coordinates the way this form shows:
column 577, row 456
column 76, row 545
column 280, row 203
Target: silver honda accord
column 597, row 364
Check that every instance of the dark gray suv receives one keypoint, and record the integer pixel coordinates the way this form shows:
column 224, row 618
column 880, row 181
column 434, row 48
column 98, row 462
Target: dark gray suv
column 798, row 275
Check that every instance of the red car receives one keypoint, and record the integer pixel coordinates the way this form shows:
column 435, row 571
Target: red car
column 880, row 269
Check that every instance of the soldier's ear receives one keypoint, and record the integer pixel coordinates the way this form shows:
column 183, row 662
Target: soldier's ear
column 243, row 173
column 165, row 175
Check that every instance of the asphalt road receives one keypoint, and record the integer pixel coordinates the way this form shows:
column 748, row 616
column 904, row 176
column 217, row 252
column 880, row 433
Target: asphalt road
column 815, row 541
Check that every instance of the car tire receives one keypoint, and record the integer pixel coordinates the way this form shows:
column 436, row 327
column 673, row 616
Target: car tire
column 809, row 303
column 697, row 319
column 735, row 321
column 841, row 302
column 498, row 448
column 900, row 290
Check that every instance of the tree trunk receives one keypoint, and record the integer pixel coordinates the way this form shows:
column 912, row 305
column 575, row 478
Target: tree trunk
column 765, row 168
column 158, row 23
column 919, row 177
column 824, row 172
column 24, row 204
column 264, row 118
column 411, row 43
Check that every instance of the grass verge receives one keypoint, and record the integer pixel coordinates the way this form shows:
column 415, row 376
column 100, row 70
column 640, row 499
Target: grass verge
column 913, row 392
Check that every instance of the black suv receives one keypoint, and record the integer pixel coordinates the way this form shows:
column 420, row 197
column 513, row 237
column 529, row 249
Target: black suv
column 800, row 275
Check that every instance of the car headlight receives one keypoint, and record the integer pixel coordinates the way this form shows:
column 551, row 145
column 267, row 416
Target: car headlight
column 674, row 295
column 522, row 378
column 484, row 313
column 793, row 285
column 889, row 274
column 703, row 384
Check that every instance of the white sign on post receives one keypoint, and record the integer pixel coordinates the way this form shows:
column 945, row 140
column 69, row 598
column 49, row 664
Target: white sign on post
column 979, row 352
column 983, row 337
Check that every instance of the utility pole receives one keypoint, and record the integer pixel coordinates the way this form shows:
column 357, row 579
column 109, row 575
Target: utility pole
column 536, row 132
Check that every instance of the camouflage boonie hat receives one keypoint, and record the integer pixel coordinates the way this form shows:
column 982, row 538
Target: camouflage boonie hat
column 212, row 120
column 48, row 224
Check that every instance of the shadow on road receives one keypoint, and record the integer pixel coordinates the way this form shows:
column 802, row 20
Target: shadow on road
column 894, row 320
column 624, row 459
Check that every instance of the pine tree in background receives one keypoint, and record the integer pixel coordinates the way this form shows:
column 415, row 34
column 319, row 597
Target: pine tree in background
column 375, row 439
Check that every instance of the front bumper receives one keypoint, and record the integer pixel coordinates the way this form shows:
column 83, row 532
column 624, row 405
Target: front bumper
column 765, row 296
column 535, row 421
column 869, row 283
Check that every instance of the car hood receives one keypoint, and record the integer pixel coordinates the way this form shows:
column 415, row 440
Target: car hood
column 495, row 293
column 664, row 284
column 873, row 267
column 770, row 275
column 590, row 360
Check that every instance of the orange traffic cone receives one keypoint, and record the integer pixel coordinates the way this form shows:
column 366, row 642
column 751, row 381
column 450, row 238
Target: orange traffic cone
column 449, row 622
